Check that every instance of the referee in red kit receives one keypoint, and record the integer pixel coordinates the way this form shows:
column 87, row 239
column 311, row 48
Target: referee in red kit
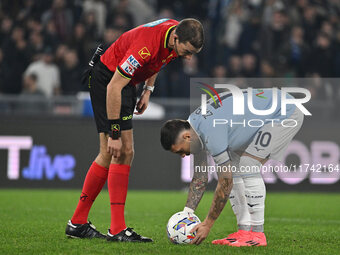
column 137, row 56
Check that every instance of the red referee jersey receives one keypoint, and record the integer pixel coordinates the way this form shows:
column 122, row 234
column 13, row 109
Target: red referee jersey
column 141, row 52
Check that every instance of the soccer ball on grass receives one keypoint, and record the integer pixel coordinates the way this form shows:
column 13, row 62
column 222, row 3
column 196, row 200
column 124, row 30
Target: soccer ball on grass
column 179, row 227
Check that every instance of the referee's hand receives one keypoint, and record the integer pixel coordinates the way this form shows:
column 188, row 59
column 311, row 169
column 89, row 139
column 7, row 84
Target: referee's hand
column 114, row 147
column 143, row 102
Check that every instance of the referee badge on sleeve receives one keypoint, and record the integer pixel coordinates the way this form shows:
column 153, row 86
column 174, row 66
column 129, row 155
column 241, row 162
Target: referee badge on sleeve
column 144, row 53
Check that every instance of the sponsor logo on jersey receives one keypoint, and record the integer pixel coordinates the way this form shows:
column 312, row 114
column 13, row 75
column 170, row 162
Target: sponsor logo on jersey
column 127, row 117
column 130, row 65
column 144, row 53
column 164, row 60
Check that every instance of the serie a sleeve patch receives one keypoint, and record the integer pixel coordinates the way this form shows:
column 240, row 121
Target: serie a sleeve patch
column 130, row 65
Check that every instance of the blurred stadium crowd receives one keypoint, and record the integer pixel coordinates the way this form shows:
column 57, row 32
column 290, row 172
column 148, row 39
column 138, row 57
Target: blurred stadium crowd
column 46, row 44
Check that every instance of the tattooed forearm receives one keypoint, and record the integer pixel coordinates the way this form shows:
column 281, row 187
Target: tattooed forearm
column 221, row 196
column 198, row 182
column 196, row 191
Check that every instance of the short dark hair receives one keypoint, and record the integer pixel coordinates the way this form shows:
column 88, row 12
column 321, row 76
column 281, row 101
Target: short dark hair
column 33, row 77
column 171, row 130
column 190, row 30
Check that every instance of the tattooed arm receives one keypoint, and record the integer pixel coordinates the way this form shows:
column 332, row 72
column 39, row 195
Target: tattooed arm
column 198, row 182
column 222, row 192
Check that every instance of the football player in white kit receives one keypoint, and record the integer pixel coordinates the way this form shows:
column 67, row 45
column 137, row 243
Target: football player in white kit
column 239, row 145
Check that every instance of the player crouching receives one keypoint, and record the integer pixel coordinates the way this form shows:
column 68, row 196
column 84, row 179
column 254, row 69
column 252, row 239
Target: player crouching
column 238, row 152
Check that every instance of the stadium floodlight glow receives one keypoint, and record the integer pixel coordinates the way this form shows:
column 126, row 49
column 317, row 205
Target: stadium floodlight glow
column 238, row 100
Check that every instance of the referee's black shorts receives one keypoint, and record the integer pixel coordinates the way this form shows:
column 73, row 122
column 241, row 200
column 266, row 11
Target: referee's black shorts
column 98, row 80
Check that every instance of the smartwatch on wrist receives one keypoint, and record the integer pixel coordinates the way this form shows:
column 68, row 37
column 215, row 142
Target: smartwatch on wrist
column 151, row 88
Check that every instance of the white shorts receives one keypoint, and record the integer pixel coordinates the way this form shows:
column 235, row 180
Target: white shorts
column 272, row 140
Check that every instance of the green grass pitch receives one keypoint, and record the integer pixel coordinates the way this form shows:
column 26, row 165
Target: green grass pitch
column 33, row 222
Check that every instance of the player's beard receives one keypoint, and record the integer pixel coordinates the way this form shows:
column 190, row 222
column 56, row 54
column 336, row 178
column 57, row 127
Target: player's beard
column 195, row 146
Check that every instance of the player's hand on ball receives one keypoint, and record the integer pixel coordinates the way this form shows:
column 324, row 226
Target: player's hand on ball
column 143, row 103
column 202, row 231
column 114, row 147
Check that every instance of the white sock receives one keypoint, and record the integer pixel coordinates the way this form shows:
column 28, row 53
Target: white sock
column 255, row 192
column 239, row 204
